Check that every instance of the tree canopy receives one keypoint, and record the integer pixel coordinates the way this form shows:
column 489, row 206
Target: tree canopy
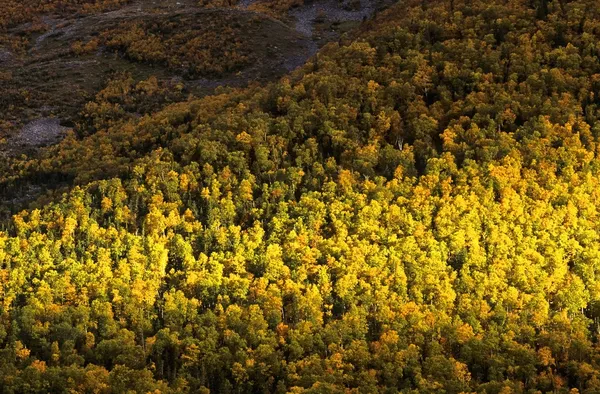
column 414, row 210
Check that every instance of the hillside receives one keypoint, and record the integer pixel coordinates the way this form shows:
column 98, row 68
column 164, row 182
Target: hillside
column 414, row 209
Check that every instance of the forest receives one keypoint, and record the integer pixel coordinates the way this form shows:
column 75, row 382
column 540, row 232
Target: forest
column 414, row 210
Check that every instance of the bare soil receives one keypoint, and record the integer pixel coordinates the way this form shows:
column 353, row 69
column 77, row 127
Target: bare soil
column 40, row 132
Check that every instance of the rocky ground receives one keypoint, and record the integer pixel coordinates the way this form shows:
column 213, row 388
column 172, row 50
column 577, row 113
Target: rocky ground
column 40, row 132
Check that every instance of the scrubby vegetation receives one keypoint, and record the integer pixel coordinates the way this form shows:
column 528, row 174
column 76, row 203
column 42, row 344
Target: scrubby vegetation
column 14, row 12
column 276, row 8
column 212, row 47
column 52, row 67
column 416, row 210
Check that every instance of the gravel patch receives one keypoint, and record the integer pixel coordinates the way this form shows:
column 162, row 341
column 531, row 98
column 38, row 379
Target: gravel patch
column 246, row 3
column 40, row 132
column 5, row 56
column 332, row 10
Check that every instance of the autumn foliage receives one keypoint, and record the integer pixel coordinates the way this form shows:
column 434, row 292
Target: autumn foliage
column 415, row 210
column 215, row 46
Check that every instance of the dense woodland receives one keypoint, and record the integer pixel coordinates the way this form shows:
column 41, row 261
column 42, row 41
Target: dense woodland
column 415, row 210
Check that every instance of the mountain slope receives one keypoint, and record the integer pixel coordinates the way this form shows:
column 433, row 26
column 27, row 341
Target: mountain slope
column 416, row 209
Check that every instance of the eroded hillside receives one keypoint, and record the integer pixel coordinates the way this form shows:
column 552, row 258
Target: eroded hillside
column 54, row 64
column 57, row 60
